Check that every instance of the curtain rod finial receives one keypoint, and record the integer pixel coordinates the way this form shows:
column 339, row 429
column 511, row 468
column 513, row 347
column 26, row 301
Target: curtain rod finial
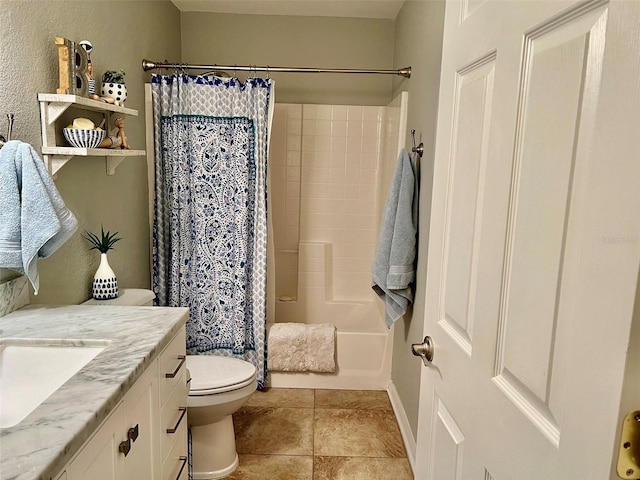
column 405, row 72
column 148, row 65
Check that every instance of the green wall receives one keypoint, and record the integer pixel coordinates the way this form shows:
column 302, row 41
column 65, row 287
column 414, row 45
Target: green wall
column 290, row 41
column 122, row 33
column 418, row 42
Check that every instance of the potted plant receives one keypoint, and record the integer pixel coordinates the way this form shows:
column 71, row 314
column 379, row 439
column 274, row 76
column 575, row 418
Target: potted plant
column 105, row 284
column 113, row 86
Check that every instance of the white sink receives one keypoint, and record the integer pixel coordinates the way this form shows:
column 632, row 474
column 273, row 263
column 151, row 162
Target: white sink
column 31, row 370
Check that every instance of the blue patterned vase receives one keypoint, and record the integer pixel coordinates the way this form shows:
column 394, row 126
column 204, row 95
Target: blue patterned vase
column 105, row 285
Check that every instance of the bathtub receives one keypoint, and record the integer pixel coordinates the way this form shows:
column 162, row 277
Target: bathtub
column 363, row 346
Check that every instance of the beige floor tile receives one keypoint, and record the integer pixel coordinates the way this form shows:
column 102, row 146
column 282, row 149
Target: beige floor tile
column 361, row 468
column 357, row 433
column 273, row 467
column 362, row 399
column 266, row 430
column 282, row 397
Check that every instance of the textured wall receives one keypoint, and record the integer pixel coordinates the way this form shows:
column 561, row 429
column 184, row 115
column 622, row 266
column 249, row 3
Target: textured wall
column 122, row 33
column 418, row 42
column 290, row 41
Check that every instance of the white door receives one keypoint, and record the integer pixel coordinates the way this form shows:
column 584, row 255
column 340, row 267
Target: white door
column 534, row 251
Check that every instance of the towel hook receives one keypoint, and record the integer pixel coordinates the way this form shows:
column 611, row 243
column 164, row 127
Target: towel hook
column 420, row 148
column 4, row 140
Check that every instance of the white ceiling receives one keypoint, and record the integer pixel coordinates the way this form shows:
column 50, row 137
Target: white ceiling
column 312, row 8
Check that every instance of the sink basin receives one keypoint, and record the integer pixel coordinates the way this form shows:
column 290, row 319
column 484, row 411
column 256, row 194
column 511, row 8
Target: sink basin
column 32, row 369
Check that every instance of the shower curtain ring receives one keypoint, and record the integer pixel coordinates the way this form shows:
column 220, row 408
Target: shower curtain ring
column 268, row 77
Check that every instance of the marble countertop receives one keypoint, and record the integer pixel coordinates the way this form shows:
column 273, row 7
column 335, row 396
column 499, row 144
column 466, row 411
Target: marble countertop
column 41, row 445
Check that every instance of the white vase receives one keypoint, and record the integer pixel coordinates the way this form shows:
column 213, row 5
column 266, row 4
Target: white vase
column 117, row 91
column 105, row 285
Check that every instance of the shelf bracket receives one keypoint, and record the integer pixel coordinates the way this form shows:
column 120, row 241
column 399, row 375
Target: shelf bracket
column 113, row 163
column 56, row 162
column 55, row 110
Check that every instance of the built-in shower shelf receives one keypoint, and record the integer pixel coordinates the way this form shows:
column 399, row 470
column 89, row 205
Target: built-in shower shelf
column 52, row 106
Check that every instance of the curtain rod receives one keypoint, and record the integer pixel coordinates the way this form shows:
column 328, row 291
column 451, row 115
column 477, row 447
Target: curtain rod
column 149, row 65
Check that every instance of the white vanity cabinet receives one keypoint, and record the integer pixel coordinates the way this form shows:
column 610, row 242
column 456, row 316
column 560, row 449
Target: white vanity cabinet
column 173, row 395
column 134, row 442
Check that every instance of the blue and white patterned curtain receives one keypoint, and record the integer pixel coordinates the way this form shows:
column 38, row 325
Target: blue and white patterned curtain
column 210, row 218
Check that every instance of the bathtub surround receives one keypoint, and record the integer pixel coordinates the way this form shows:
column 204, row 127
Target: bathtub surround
column 34, row 220
column 210, row 213
column 329, row 168
column 394, row 264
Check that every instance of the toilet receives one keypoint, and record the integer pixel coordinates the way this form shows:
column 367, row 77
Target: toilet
column 219, row 386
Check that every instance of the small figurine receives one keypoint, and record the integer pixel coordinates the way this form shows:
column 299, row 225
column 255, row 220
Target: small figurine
column 117, row 139
column 91, row 91
column 120, row 125
column 91, row 83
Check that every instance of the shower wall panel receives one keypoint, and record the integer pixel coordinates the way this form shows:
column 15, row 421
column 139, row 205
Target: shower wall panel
column 330, row 167
column 284, row 195
column 338, row 190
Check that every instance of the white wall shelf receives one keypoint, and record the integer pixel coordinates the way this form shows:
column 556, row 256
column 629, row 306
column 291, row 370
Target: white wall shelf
column 52, row 106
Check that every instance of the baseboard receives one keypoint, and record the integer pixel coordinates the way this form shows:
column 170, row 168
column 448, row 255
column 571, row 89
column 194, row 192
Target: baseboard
column 403, row 423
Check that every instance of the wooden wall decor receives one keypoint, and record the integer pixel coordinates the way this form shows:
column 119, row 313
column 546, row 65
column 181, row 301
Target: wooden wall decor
column 72, row 67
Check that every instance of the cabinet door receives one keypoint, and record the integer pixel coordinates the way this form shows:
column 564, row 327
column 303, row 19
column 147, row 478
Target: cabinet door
column 140, row 426
column 100, row 459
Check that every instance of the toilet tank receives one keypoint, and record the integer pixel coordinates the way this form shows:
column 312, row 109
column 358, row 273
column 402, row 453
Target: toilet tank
column 134, row 297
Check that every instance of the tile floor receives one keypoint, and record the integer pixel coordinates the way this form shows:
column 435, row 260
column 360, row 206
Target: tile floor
column 304, row 434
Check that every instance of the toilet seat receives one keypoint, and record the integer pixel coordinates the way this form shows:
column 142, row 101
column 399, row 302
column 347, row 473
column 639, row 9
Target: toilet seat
column 212, row 374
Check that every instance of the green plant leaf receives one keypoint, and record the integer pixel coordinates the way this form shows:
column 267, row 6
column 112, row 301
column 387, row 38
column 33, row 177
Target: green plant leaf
column 104, row 243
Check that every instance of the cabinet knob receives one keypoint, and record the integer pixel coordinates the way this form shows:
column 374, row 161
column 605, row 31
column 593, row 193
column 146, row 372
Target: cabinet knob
column 132, row 433
column 125, row 447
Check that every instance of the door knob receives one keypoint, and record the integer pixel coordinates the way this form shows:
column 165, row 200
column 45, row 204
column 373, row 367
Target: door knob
column 424, row 350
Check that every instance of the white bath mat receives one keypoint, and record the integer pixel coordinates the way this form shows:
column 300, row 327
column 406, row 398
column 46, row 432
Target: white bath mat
column 299, row 347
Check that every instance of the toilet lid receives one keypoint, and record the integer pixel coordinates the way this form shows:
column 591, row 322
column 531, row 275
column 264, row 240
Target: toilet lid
column 209, row 372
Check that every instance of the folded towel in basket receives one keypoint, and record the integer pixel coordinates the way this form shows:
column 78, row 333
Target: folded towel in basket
column 300, row 347
column 34, row 221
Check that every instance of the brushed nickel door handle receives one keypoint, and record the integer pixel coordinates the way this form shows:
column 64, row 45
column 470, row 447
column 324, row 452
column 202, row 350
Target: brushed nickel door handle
column 424, row 350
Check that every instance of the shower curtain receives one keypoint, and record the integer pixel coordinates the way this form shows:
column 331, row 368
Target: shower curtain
column 210, row 210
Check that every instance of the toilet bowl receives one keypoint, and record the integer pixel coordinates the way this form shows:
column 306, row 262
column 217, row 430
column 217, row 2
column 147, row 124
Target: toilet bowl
column 219, row 386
